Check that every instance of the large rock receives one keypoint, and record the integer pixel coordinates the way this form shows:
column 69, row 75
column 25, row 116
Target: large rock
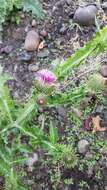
column 103, row 70
column 85, row 16
column 32, row 41
column 83, row 146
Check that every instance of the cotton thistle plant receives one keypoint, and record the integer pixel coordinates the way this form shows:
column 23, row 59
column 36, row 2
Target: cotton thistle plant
column 46, row 84
column 46, row 78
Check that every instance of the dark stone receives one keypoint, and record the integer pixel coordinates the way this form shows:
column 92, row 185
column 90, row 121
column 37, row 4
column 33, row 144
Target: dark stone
column 26, row 57
column 85, row 16
column 99, row 109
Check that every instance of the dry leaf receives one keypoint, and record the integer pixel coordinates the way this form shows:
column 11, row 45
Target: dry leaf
column 96, row 124
column 104, row 80
column 87, row 123
column 41, row 45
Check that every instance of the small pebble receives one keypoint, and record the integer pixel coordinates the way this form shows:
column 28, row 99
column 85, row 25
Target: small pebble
column 44, row 33
column 83, row 146
column 33, row 24
column 103, row 70
column 33, row 67
column 62, row 112
column 89, row 155
column 27, row 28
column 31, row 160
column 40, row 118
column 90, row 171
column 25, row 56
column 103, row 162
column 1, row 41
column 22, row 16
column 103, row 151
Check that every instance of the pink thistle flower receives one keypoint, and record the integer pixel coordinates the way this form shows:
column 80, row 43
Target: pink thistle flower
column 46, row 77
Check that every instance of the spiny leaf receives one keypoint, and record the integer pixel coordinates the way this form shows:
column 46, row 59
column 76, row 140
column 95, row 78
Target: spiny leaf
column 95, row 46
column 25, row 113
column 53, row 133
column 96, row 83
column 71, row 96
column 4, row 167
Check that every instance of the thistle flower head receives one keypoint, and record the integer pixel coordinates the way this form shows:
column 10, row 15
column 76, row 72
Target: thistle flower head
column 46, row 77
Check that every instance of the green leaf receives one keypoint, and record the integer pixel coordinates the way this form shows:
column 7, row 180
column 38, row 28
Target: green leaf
column 6, row 103
column 22, row 188
column 4, row 167
column 11, row 181
column 53, row 134
column 34, row 6
column 7, row 6
column 69, row 97
column 95, row 46
column 48, row 145
column 25, row 112
column 95, row 83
